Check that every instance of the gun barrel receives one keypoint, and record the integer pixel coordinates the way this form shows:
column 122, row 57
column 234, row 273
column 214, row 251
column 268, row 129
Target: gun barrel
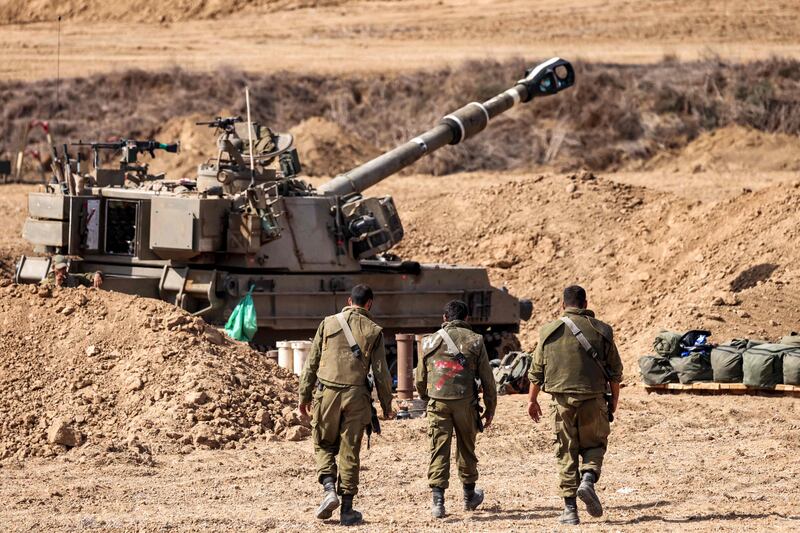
column 545, row 79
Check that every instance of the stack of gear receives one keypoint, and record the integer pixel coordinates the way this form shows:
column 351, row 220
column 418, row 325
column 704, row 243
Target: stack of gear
column 688, row 358
column 511, row 373
column 684, row 357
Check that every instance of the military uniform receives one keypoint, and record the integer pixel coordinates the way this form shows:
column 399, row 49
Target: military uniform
column 70, row 280
column 336, row 380
column 562, row 368
column 449, row 387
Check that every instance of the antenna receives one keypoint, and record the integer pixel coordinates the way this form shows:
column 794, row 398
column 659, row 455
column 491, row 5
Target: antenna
column 58, row 60
column 250, row 134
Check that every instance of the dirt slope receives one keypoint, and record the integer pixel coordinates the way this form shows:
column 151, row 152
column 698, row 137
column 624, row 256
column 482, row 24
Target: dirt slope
column 132, row 375
column 731, row 149
column 326, row 149
column 648, row 259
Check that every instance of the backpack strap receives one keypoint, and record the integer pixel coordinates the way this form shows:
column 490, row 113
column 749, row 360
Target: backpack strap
column 348, row 334
column 448, row 340
column 573, row 327
column 452, row 348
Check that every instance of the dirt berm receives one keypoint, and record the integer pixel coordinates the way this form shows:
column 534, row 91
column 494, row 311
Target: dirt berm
column 117, row 374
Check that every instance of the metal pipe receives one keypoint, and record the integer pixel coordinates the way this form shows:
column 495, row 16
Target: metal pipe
column 405, row 366
column 545, row 79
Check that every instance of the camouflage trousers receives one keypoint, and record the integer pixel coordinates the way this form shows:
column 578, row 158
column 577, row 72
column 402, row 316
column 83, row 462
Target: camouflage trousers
column 445, row 417
column 581, row 427
column 339, row 418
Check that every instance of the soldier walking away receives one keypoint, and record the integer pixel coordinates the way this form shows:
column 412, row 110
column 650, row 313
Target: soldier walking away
column 577, row 363
column 452, row 359
column 347, row 345
column 60, row 276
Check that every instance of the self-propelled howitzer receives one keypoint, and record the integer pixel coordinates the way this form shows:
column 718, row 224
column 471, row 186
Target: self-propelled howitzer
column 247, row 222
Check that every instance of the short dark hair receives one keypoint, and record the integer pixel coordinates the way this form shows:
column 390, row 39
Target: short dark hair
column 456, row 310
column 361, row 294
column 574, row 296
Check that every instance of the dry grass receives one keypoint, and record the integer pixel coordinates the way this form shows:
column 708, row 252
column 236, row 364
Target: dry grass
column 614, row 113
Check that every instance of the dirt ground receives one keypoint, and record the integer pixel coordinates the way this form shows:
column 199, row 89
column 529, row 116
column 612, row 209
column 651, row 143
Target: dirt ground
column 698, row 235
column 376, row 36
column 674, row 463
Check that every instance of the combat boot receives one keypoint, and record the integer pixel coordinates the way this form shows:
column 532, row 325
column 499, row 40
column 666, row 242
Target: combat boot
column 437, row 505
column 349, row 516
column 570, row 514
column 330, row 501
column 472, row 497
column 588, row 496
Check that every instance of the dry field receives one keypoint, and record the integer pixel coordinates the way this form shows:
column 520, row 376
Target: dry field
column 673, row 200
column 334, row 37
column 674, row 464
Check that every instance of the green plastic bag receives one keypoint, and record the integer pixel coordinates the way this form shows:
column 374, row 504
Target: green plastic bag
column 242, row 324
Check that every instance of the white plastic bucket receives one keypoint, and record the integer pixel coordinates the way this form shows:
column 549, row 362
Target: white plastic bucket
column 285, row 355
column 301, row 350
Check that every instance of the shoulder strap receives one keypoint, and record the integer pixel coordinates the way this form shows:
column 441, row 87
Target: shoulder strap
column 348, row 334
column 448, row 340
column 452, row 348
column 573, row 327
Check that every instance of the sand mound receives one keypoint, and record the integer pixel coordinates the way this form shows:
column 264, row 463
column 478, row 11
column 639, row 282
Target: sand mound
column 649, row 260
column 732, row 148
column 16, row 11
column 198, row 144
column 104, row 372
column 327, row 150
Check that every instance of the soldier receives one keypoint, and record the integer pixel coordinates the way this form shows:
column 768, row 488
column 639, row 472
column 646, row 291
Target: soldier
column 345, row 347
column 60, row 277
column 453, row 358
column 576, row 361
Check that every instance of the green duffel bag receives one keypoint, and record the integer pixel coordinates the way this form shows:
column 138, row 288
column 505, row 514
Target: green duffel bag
column 668, row 344
column 791, row 367
column 657, row 370
column 763, row 364
column 726, row 361
column 792, row 339
column 694, row 367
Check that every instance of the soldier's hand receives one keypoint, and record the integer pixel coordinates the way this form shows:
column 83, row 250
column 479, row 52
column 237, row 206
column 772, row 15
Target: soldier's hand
column 534, row 411
column 487, row 421
column 303, row 407
column 97, row 280
column 389, row 415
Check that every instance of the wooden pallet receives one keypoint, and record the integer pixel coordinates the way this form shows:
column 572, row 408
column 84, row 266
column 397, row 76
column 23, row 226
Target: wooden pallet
column 724, row 388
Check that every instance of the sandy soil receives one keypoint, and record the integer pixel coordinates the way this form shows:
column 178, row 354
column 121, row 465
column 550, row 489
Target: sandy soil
column 699, row 237
column 370, row 36
column 674, row 463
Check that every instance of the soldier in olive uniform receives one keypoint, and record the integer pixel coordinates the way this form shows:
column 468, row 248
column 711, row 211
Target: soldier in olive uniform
column 60, row 277
column 452, row 359
column 345, row 348
column 576, row 362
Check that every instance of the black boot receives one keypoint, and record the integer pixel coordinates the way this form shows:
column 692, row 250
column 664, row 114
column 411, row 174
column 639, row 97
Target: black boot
column 330, row 501
column 472, row 497
column 437, row 505
column 349, row 516
column 570, row 514
column 588, row 496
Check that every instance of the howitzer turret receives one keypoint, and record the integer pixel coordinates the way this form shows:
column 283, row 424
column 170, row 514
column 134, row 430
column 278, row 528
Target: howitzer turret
column 247, row 221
